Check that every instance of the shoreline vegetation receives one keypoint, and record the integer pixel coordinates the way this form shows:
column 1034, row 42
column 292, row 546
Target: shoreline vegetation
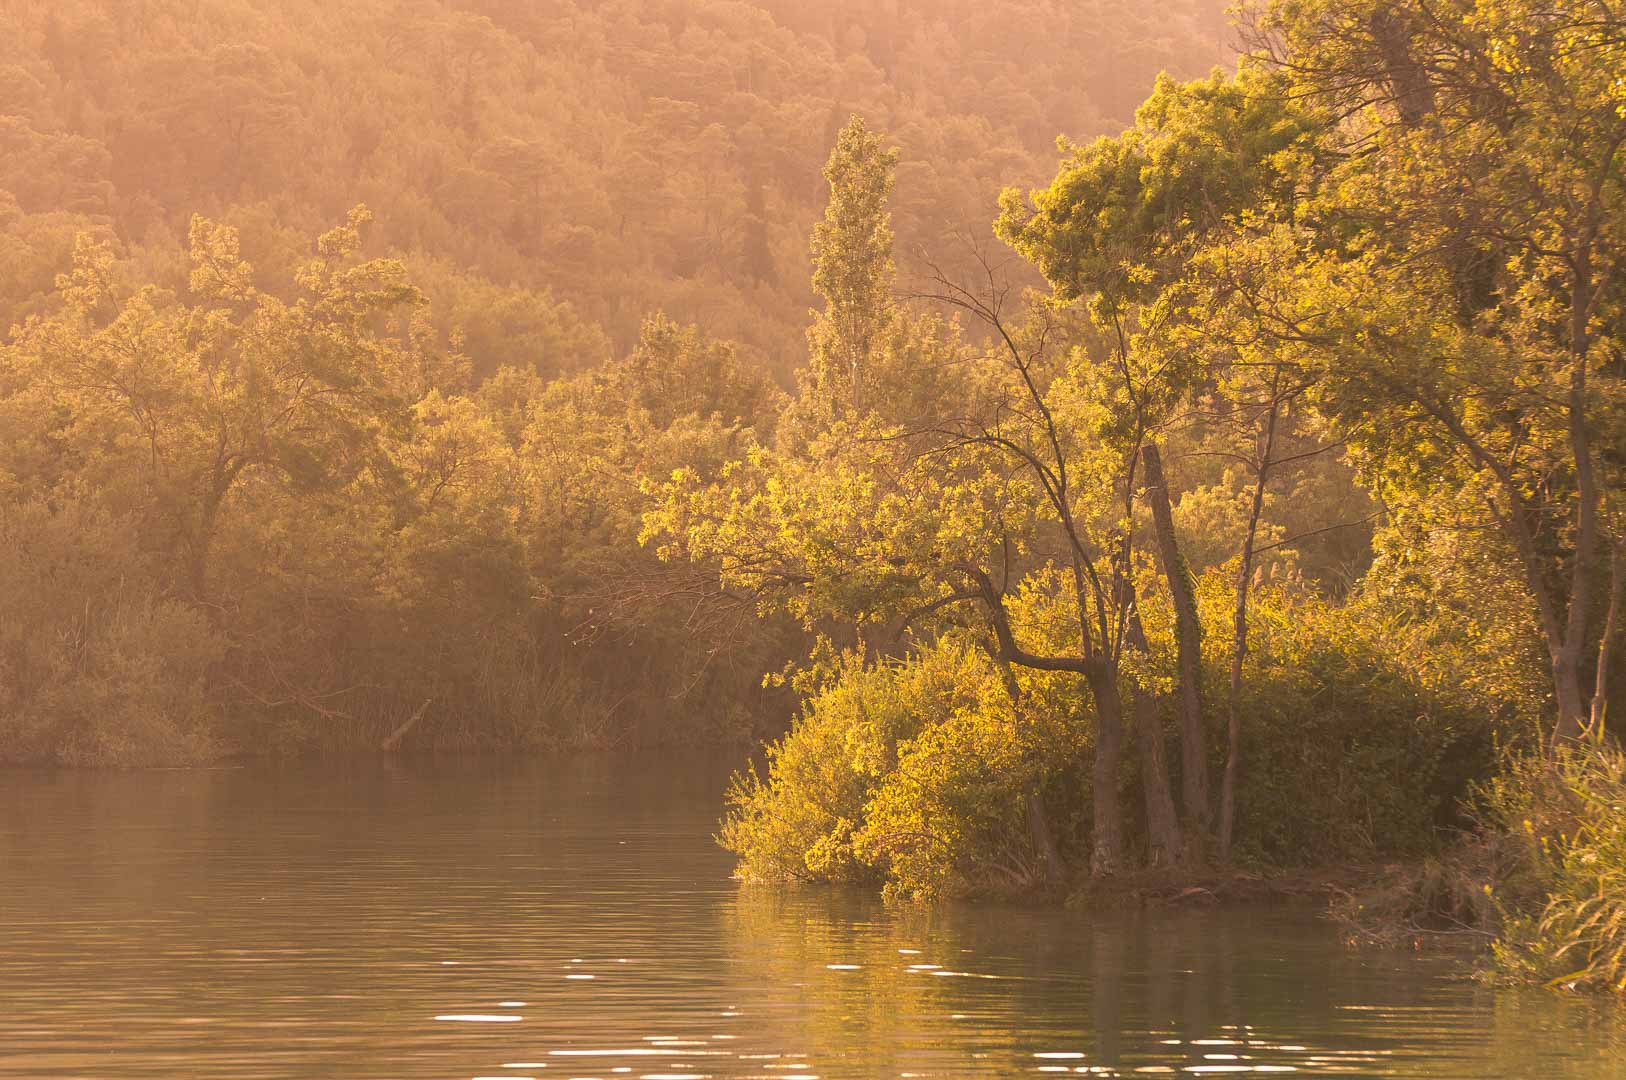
column 1241, row 513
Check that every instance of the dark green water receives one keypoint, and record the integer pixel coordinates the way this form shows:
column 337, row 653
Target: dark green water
column 575, row 920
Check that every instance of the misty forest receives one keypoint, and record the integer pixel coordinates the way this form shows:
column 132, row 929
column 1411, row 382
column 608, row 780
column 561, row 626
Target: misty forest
column 1086, row 454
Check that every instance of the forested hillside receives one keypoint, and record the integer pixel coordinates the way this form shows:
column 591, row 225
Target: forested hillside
column 554, row 170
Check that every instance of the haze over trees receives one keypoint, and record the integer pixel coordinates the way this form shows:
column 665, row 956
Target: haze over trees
column 1234, row 490
column 554, row 171
column 295, row 456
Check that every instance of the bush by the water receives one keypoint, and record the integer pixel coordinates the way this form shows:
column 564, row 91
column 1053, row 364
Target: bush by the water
column 1564, row 906
column 914, row 772
column 918, row 772
column 1353, row 747
column 1541, row 879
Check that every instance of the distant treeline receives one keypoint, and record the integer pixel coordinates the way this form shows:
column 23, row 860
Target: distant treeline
column 553, row 170
column 242, row 523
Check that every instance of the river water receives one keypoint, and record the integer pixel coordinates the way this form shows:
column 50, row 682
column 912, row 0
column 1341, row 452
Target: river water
column 574, row 919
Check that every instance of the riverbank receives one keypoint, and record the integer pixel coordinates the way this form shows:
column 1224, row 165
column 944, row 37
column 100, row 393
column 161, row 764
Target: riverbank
column 1172, row 888
column 1539, row 889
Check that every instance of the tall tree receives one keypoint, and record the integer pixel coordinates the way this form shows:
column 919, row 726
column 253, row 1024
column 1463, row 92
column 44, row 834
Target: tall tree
column 1116, row 229
column 852, row 264
column 183, row 402
column 1465, row 294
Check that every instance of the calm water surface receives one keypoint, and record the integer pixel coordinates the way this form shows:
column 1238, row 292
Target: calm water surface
column 575, row 920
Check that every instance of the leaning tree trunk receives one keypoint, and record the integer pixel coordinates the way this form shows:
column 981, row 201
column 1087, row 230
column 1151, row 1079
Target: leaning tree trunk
column 1188, row 651
column 1239, row 641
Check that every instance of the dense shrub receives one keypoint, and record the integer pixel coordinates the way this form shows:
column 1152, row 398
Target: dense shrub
column 915, row 772
column 1351, row 746
column 96, row 667
column 1542, row 878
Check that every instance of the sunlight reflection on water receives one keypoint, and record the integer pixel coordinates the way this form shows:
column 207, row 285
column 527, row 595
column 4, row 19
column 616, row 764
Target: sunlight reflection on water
column 393, row 921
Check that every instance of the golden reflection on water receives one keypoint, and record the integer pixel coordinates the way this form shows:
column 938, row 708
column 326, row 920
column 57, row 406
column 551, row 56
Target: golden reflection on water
column 544, row 920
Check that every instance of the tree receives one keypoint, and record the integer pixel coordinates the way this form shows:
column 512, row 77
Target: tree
column 1117, row 228
column 852, row 265
column 675, row 371
column 1463, row 295
column 181, row 403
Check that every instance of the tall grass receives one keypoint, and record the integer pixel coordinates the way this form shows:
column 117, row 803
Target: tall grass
column 1543, row 879
column 1568, row 816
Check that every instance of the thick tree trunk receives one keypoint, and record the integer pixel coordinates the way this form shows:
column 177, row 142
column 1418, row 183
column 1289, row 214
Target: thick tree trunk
column 1564, row 649
column 1188, row 652
column 1106, row 854
column 1409, row 83
column 1573, row 708
column 1563, row 653
column 1164, row 839
column 1567, row 694
column 1166, row 847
